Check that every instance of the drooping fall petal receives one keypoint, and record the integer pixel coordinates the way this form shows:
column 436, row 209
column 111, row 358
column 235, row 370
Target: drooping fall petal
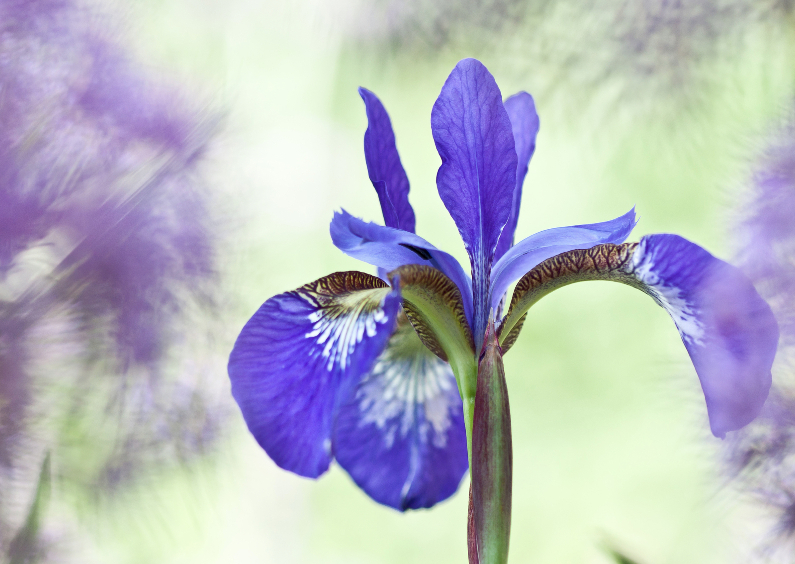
column 301, row 355
column 728, row 330
column 401, row 435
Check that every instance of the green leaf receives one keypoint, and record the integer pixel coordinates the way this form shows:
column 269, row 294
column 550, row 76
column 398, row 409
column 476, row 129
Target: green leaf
column 24, row 547
column 620, row 558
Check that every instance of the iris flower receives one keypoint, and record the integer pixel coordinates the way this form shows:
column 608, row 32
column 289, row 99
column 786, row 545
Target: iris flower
column 381, row 372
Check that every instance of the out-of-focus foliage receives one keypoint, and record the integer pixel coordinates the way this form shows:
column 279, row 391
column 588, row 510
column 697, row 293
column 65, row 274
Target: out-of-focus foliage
column 425, row 24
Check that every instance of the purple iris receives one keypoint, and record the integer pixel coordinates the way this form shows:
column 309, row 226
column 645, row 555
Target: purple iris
column 380, row 372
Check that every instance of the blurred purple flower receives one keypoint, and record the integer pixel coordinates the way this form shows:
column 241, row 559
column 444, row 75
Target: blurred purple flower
column 98, row 162
column 762, row 456
column 107, row 250
column 768, row 229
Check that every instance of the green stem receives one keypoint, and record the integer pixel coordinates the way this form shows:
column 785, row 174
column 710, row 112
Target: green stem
column 465, row 369
column 469, row 417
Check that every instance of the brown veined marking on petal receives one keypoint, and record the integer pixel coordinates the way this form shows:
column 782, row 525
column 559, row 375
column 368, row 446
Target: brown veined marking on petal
column 403, row 321
column 423, row 330
column 435, row 285
column 325, row 291
column 513, row 334
column 343, row 297
column 340, row 293
column 602, row 262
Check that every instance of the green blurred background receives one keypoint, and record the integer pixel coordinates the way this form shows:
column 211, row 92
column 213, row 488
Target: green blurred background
column 611, row 442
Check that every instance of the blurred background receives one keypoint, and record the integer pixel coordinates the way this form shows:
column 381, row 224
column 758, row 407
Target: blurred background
column 168, row 165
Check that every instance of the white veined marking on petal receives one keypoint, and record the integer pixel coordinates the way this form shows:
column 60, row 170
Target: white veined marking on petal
column 341, row 326
column 406, row 392
column 684, row 313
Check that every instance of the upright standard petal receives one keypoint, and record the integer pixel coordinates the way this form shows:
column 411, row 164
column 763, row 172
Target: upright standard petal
column 729, row 331
column 537, row 248
column 477, row 177
column 301, row 355
column 384, row 167
column 401, row 434
column 389, row 248
column 524, row 123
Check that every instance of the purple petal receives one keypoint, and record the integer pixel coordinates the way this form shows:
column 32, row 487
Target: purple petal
column 729, row 331
column 389, row 248
column 301, row 355
column 477, row 177
column 537, row 248
column 383, row 165
column 401, row 434
column 524, row 123
column 767, row 232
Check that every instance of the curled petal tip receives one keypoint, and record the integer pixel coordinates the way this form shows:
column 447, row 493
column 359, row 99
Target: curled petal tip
column 389, row 249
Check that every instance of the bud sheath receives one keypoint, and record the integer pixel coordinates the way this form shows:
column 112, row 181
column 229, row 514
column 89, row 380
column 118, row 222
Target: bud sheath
column 492, row 456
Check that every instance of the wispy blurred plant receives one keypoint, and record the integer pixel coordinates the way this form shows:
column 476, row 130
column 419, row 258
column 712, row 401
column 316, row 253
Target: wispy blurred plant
column 646, row 53
column 672, row 45
column 762, row 456
column 106, row 260
column 428, row 24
